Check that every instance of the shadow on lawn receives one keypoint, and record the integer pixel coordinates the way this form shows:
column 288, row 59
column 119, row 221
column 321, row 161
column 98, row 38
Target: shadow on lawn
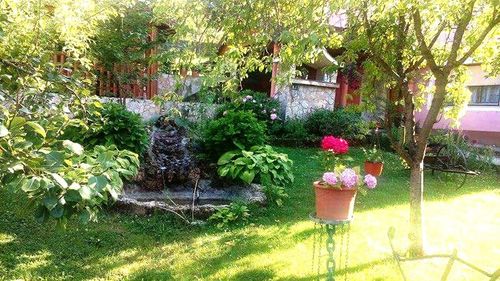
column 80, row 252
column 83, row 252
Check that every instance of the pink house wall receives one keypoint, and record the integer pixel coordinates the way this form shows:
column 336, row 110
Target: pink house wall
column 479, row 123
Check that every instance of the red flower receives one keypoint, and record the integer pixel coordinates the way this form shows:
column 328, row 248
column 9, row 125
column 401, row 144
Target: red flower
column 337, row 145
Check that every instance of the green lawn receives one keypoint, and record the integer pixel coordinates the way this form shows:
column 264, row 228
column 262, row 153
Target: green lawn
column 276, row 244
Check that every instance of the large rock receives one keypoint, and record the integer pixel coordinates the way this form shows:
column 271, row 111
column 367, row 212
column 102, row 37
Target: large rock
column 179, row 199
column 168, row 159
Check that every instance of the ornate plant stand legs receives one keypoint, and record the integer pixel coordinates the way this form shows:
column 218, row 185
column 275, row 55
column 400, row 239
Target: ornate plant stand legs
column 331, row 227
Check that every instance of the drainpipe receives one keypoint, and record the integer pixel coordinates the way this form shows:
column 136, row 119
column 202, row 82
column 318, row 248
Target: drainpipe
column 274, row 73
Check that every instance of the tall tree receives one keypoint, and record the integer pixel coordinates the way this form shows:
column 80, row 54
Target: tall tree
column 227, row 39
column 39, row 99
column 402, row 40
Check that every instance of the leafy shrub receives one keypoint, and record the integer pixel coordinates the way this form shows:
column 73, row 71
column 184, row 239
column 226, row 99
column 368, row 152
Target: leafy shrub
column 347, row 124
column 259, row 103
column 68, row 181
column 236, row 129
column 230, row 214
column 259, row 164
column 291, row 132
column 111, row 124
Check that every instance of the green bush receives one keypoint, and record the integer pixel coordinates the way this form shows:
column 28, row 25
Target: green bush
column 260, row 164
column 111, row 124
column 291, row 132
column 347, row 124
column 234, row 130
column 258, row 103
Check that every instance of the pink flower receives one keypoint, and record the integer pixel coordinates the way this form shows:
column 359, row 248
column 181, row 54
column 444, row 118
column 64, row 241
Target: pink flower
column 337, row 145
column 370, row 181
column 330, row 178
column 249, row 97
column 349, row 178
column 273, row 116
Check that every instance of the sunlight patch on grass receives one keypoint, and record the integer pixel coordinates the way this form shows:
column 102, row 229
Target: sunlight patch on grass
column 6, row 238
column 34, row 261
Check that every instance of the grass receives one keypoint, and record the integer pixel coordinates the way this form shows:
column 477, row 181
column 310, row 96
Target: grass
column 276, row 244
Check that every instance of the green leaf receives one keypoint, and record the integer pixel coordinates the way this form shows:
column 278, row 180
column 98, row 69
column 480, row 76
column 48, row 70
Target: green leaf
column 85, row 216
column 31, row 185
column 222, row 171
column 85, row 192
column 114, row 193
column 74, row 147
column 248, row 176
column 41, row 214
column 17, row 122
column 226, row 157
column 3, row 131
column 59, row 180
column 73, row 196
column 54, row 159
column 37, row 128
column 98, row 182
column 238, row 145
column 57, row 212
column 50, row 202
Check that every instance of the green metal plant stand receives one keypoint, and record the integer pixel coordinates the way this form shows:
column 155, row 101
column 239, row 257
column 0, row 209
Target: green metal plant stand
column 331, row 227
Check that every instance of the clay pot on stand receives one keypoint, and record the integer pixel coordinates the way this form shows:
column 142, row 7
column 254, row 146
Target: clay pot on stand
column 334, row 204
column 374, row 168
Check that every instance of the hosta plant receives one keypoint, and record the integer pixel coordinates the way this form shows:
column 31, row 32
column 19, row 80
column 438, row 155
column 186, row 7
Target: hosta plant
column 231, row 214
column 258, row 164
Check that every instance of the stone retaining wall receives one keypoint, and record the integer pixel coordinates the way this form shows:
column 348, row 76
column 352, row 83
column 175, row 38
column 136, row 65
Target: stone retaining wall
column 148, row 109
column 303, row 97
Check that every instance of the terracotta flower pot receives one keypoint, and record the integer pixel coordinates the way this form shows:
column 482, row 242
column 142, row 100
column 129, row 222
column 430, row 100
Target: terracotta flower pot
column 374, row 168
column 334, row 204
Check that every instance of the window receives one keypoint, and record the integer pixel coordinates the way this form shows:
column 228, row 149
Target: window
column 485, row 95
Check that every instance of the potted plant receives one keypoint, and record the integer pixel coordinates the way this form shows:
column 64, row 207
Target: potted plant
column 374, row 162
column 336, row 191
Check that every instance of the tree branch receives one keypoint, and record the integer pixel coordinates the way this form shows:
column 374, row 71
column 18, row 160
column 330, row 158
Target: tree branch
column 459, row 34
column 419, row 62
column 426, row 51
column 495, row 21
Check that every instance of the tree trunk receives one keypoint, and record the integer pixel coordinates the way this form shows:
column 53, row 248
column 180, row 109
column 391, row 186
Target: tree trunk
column 416, row 234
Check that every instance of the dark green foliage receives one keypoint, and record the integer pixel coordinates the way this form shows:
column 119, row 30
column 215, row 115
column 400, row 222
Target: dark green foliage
column 122, row 41
column 112, row 124
column 343, row 123
column 292, row 132
column 231, row 214
column 234, row 130
column 258, row 103
column 260, row 164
